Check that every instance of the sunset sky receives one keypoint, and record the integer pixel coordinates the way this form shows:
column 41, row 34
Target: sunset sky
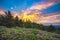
column 45, row 11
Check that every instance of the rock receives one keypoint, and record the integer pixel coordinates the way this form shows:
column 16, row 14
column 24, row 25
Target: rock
column 2, row 26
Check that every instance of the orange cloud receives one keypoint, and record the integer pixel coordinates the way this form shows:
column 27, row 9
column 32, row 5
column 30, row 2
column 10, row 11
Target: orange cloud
column 57, row 20
column 42, row 6
column 2, row 12
column 49, row 19
column 51, row 16
column 16, row 14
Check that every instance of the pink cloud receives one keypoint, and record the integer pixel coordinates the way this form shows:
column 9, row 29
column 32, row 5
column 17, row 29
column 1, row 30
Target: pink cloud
column 41, row 6
column 49, row 19
column 2, row 12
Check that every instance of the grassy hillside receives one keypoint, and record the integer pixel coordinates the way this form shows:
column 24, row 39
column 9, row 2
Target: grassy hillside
column 26, row 34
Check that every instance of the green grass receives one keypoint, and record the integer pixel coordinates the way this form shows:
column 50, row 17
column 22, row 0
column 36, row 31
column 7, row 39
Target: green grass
column 26, row 34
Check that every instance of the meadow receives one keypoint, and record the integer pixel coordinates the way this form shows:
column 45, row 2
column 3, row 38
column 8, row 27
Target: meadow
column 26, row 34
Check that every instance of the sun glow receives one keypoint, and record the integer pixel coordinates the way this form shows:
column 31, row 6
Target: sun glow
column 26, row 16
column 29, row 17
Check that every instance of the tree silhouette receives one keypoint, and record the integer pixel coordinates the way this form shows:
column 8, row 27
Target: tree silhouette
column 51, row 28
column 17, row 21
column 1, row 20
column 8, row 19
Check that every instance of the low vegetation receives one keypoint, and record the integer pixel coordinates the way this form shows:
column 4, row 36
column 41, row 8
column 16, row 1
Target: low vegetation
column 26, row 34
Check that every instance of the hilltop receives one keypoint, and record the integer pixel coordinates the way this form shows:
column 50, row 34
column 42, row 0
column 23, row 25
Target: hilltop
column 26, row 34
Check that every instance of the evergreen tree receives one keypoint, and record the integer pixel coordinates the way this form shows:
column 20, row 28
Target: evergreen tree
column 27, row 24
column 1, row 20
column 51, row 28
column 20, row 23
column 9, row 21
column 41, row 27
column 16, row 21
